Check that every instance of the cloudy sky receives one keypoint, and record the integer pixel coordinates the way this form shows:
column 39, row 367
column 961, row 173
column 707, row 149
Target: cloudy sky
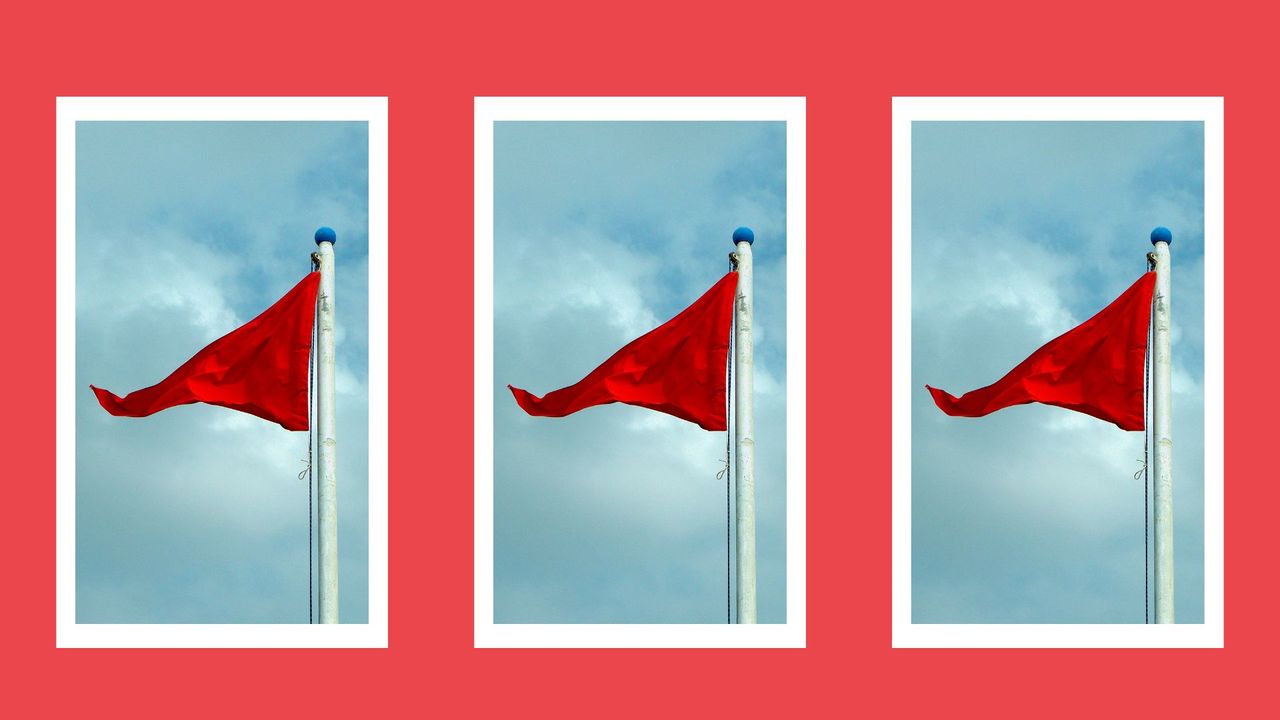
column 185, row 231
column 602, row 231
column 1020, row 231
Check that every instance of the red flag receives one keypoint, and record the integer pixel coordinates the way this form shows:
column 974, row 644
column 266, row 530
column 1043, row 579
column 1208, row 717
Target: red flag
column 259, row 368
column 1095, row 368
column 677, row 368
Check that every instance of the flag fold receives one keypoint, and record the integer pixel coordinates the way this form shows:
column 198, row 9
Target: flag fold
column 260, row 368
column 1095, row 368
column 677, row 368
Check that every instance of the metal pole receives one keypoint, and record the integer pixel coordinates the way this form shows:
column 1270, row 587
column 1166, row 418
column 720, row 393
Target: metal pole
column 745, row 440
column 326, row 429
column 1162, row 419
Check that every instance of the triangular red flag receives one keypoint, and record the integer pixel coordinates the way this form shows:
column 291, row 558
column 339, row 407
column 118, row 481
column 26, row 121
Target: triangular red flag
column 1095, row 368
column 259, row 368
column 677, row 368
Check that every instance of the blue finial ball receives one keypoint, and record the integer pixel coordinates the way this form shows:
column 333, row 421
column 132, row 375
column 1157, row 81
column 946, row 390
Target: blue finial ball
column 743, row 234
column 326, row 234
column 1161, row 234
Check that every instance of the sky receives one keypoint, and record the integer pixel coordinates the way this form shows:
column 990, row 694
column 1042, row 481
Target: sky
column 602, row 231
column 185, row 231
column 1021, row 231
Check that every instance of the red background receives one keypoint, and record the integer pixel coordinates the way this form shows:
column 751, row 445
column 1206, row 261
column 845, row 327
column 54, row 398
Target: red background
column 431, row 61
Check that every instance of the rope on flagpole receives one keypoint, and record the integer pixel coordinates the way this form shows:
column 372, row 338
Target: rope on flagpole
column 728, row 475
column 726, row 471
column 306, row 472
column 311, row 382
column 1146, row 484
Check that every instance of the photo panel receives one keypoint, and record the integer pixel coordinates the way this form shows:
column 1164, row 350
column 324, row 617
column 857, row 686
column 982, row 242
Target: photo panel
column 616, row 506
column 218, row 484
column 1057, row 357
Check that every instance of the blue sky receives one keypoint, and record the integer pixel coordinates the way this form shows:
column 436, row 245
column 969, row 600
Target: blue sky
column 185, row 231
column 602, row 231
column 1020, row 231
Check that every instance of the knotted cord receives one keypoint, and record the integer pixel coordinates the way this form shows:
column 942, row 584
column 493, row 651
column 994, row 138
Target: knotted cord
column 311, row 391
column 727, row 470
column 1146, row 444
column 728, row 474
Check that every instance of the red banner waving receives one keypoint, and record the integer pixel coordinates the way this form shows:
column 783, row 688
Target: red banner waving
column 678, row 368
column 1095, row 368
column 259, row 368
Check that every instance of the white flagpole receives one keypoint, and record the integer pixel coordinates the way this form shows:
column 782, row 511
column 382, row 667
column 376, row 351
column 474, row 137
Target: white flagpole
column 326, row 429
column 1162, row 420
column 745, row 440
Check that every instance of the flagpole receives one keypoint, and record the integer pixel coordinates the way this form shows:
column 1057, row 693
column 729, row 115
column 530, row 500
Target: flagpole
column 1162, row 420
column 745, row 438
column 326, row 429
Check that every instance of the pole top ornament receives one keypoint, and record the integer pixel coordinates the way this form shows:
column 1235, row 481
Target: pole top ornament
column 1161, row 234
column 326, row 234
column 744, row 234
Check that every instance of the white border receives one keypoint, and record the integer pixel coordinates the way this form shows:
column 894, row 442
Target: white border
column 907, row 634
column 788, row 110
column 69, row 633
